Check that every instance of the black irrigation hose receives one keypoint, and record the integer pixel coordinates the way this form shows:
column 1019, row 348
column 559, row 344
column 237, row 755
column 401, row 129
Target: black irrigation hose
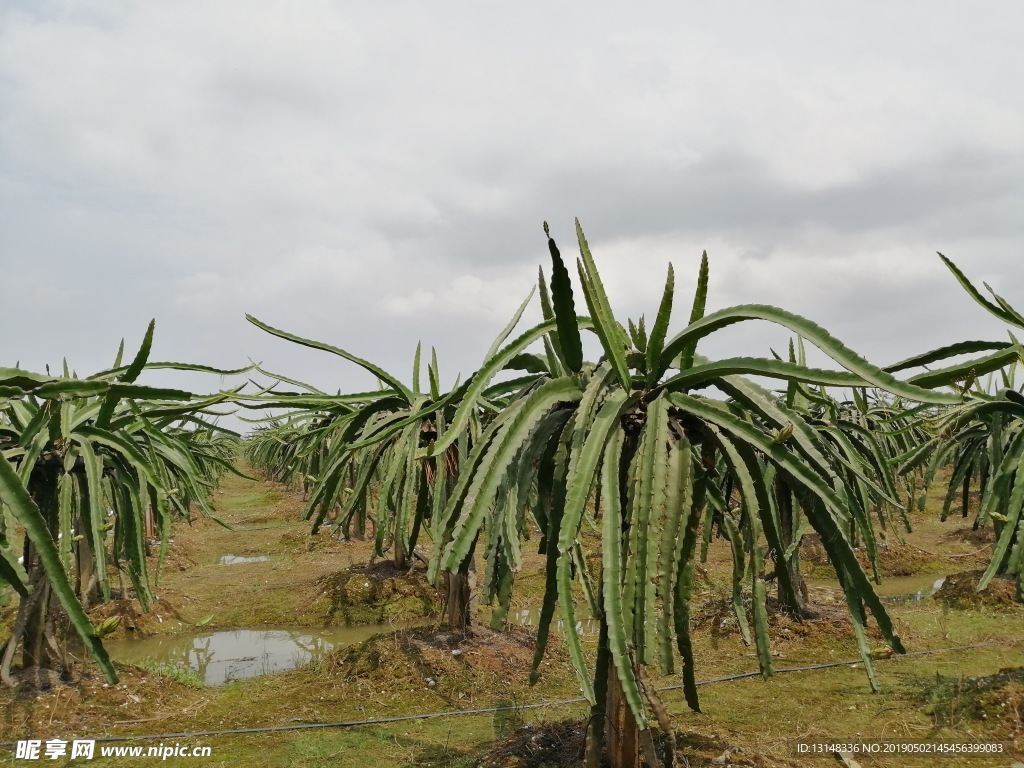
column 489, row 710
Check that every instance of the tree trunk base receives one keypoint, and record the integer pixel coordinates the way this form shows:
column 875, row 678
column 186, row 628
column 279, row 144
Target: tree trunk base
column 621, row 735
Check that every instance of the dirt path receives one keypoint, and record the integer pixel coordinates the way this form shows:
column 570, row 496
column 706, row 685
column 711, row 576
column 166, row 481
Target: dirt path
column 266, row 521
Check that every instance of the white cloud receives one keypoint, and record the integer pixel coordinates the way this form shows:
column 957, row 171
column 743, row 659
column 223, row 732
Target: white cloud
column 351, row 171
column 467, row 297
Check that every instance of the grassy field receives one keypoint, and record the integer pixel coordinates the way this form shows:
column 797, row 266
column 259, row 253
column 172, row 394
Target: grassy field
column 317, row 581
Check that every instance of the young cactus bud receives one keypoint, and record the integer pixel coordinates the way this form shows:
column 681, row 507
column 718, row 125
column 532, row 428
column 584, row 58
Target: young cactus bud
column 783, row 434
column 107, row 626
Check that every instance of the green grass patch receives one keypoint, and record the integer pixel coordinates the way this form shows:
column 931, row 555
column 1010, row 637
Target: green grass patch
column 183, row 673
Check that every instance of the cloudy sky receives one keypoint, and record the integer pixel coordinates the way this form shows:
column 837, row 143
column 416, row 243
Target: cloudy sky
column 374, row 174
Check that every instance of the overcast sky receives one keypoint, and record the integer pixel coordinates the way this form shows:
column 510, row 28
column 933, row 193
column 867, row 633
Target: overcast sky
column 373, row 174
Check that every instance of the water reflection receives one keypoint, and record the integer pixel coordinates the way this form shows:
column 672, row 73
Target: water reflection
column 919, row 595
column 221, row 657
column 898, row 589
column 235, row 560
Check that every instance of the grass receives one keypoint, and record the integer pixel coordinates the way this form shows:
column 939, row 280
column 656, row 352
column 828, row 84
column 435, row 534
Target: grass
column 923, row 697
column 957, row 700
column 182, row 673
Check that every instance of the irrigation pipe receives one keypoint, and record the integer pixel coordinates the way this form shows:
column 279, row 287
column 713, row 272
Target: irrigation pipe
column 507, row 708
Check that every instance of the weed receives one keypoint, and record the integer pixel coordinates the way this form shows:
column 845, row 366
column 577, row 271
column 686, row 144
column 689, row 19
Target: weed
column 955, row 699
column 175, row 670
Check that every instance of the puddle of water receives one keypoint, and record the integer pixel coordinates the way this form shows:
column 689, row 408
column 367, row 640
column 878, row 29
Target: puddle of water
column 911, row 589
column 221, row 657
column 235, row 560
column 921, row 594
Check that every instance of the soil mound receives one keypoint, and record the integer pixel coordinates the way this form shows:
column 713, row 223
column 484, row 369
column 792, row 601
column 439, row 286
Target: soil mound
column 452, row 665
column 977, row 536
column 893, row 559
column 48, row 703
column 828, row 618
column 365, row 594
column 298, row 542
column 561, row 745
column 134, row 621
column 540, row 745
column 997, row 700
column 961, row 591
